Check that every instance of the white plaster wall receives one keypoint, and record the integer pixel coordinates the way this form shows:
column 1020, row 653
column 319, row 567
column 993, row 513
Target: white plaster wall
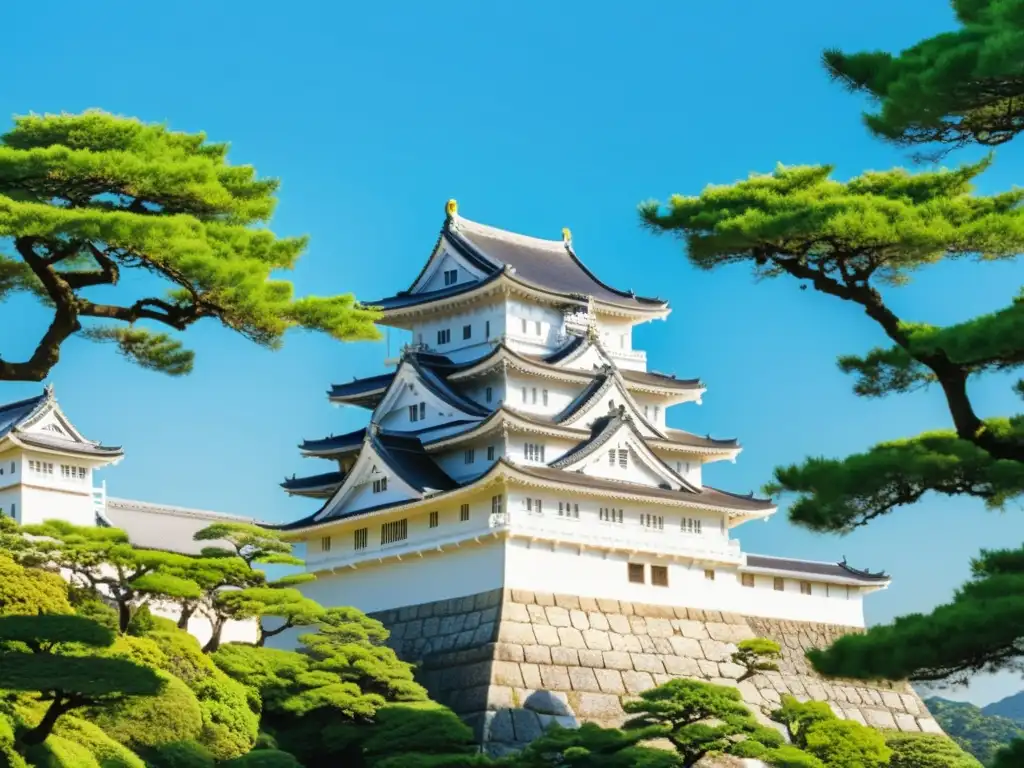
column 554, row 448
column 560, row 394
column 437, row 411
column 150, row 528
column 601, row 406
column 530, row 340
column 454, row 461
column 615, row 335
column 635, row 471
column 73, row 504
column 466, row 570
column 480, row 334
column 544, row 567
column 476, row 390
column 10, row 502
column 689, row 467
column 652, row 408
column 436, row 280
column 363, row 497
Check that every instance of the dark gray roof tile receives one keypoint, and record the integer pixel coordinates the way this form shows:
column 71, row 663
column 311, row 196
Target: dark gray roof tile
column 840, row 570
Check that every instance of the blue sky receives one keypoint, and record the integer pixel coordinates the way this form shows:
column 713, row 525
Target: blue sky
column 535, row 116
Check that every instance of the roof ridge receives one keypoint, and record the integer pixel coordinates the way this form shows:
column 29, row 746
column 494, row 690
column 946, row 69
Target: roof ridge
column 489, row 230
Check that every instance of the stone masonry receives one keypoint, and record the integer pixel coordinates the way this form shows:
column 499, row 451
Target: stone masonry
column 512, row 662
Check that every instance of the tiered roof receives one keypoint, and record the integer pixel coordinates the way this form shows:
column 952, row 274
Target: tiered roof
column 17, row 420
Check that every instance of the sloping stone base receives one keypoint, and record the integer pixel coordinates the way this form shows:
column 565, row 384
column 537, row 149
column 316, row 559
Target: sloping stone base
column 512, row 662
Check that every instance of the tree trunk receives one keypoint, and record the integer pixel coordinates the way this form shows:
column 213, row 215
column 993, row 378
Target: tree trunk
column 186, row 614
column 38, row 734
column 217, row 625
column 124, row 615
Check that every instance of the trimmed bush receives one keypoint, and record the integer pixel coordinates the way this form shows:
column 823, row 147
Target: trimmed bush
column 264, row 758
column 180, row 754
column 108, row 753
column 148, row 721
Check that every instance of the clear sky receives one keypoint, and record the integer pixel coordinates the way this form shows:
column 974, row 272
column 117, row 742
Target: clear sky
column 535, row 116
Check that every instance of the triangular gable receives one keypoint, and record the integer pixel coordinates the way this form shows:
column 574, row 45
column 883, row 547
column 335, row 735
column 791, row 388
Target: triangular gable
column 588, row 356
column 608, row 393
column 593, row 457
column 412, row 385
column 48, row 419
column 356, row 492
column 446, row 257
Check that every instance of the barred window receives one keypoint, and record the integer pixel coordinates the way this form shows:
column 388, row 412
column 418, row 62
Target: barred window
column 361, row 538
column 464, row 513
column 805, row 587
column 636, row 573
column 396, row 530
column 496, row 502
column 654, row 522
column 433, row 519
column 659, row 575
column 325, row 544
column 381, row 485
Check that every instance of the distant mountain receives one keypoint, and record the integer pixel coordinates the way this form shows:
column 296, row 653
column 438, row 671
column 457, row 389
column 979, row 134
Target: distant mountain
column 1011, row 707
column 974, row 729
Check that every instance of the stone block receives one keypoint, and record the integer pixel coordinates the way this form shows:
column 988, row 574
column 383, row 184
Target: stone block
column 716, row 651
column 695, row 614
column 644, row 663
column 728, row 633
column 626, row 609
column 907, row 722
column 531, row 675
column 516, row 632
column 597, row 640
column 489, row 615
column 626, row 642
column 543, row 598
column 568, row 601
column 582, row 679
column 647, row 644
column 637, row 682
column 508, row 652
column 538, row 614
column 680, row 666
column 482, row 634
column 414, row 629
column 730, row 670
column 879, row 718
column 554, row 678
column 911, row 703
column 617, row 660
column 526, row 725
column 499, row 697
column 610, row 681
column 598, row 621
column 515, row 612
column 892, row 700
column 929, row 725
column 546, row 635
column 662, row 644
column 607, row 606
column 524, row 596
column 571, row 638
column 473, row 619
column 564, row 721
column 661, row 679
column 466, row 676
column 537, row 654
column 708, row 668
column 852, row 713
column 579, row 620
column 619, row 623
column 688, row 647
column 498, row 726
column 546, row 702
column 407, row 613
column 591, row 658
column 430, row 626
column 564, row 656
column 659, row 627
column 558, row 616
column 638, row 625
column 711, row 615
column 599, row 706
column 588, row 603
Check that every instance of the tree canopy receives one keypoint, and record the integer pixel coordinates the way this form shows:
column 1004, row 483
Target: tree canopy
column 958, row 87
column 87, row 197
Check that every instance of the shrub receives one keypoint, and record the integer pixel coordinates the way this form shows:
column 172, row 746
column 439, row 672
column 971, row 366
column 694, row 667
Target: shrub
column 180, row 754
column 791, row 757
column 264, row 758
column 57, row 752
column 107, row 752
column 927, row 750
column 147, row 721
column 847, row 744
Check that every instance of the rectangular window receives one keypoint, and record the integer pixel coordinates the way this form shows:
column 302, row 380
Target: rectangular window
column 414, row 412
column 535, row 506
column 524, row 395
column 487, row 329
column 325, row 544
column 610, row 515
column 451, row 276
column 524, row 326
column 659, row 575
column 490, row 453
column 623, row 458
column 14, row 509
column 470, row 455
column 381, row 485
column 568, row 509
column 654, row 522
column 534, row 394
column 443, row 337
column 691, row 526
column 657, row 412
column 748, row 579
column 496, row 502
column 636, row 573
column 544, row 397
column 805, row 587
column 397, row 530
column 423, row 411
column 13, row 467
column 709, row 574
column 646, row 413
column 467, row 331
column 779, row 584
column 361, row 538
column 537, row 323
column 611, row 457
column 488, row 394
column 534, row 451
column 433, row 519
column 464, row 513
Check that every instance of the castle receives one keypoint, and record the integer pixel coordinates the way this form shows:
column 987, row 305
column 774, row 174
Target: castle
column 536, row 537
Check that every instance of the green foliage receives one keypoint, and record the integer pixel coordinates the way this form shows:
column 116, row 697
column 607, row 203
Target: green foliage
column 404, row 733
column 791, row 757
column 1010, row 756
column 980, row 734
column 173, row 715
column 756, row 655
column 179, row 754
column 264, row 758
column 86, row 197
column 955, row 88
column 799, row 716
column 927, row 750
column 57, row 752
column 934, row 646
column 1011, row 707
column 108, row 753
column 30, row 591
column 846, row 744
column 591, row 746
column 697, row 717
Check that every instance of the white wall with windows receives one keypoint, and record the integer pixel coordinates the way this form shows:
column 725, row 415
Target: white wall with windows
column 463, row 335
column 532, row 394
column 688, row 466
column 532, row 328
column 532, row 449
column 446, row 273
column 415, row 408
column 470, row 459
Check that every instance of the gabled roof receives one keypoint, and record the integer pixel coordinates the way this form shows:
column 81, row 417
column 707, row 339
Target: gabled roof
column 358, row 390
column 548, row 265
column 839, row 570
column 17, row 418
column 607, row 379
column 335, row 444
column 312, row 485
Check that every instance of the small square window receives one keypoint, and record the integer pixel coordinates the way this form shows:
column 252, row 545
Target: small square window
column 325, row 544
column 467, row 331
column 748, row 579
column 433, row 519
column 490, row 453
column 709, row 574
column 659, row 575
column 470, row 455
column 464, row 513
column 451, row 276
column 445, row 336
column 361, row 538
column 779, row 585
column 805, row 587
column 636, row 573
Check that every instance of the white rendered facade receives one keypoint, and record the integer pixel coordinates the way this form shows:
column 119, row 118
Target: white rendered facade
column 521, row 443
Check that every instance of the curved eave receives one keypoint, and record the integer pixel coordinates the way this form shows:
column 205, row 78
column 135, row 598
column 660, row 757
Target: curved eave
column 829, row 578
column 85, row 450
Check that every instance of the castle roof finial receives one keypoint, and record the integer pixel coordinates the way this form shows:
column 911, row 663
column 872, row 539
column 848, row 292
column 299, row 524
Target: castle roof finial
column 48, row 390
column 451, row 208
column 567, row 237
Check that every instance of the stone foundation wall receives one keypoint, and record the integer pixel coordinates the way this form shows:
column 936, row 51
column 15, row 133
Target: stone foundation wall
column 512, row 662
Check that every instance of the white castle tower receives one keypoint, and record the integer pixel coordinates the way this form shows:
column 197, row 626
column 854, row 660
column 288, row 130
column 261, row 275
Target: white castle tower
column 517, row 466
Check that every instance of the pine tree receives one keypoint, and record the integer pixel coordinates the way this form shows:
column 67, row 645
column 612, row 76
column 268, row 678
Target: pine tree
column 86, row 197
column 55, row 666
column 959, row 87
